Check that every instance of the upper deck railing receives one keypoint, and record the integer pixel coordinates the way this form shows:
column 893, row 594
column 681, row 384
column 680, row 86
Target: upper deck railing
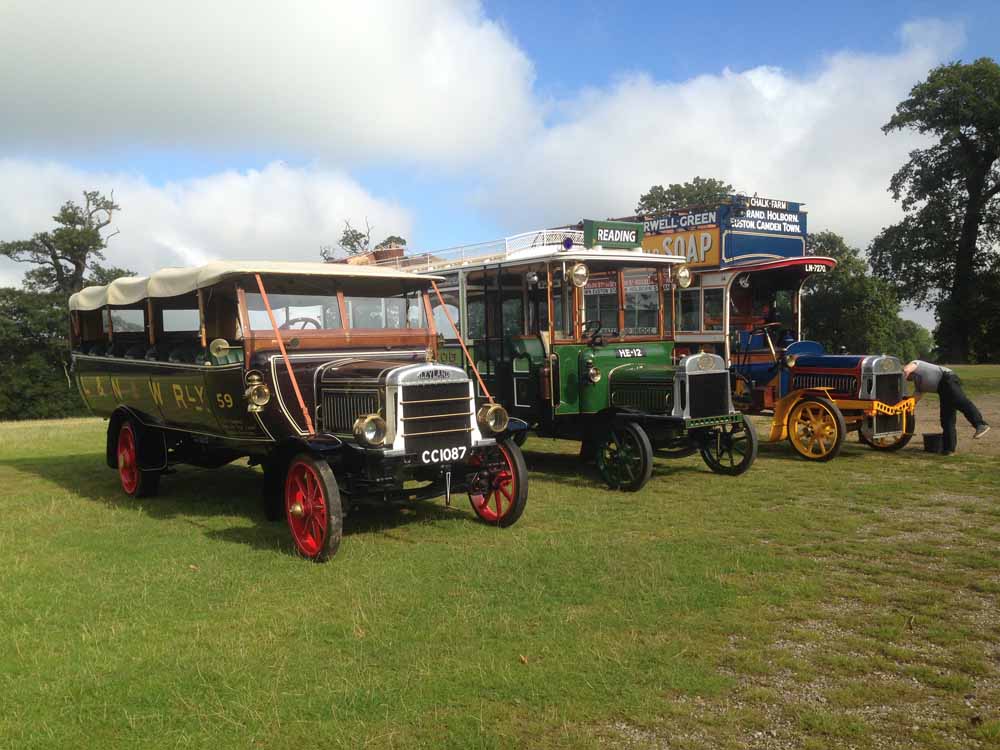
column 483, row 252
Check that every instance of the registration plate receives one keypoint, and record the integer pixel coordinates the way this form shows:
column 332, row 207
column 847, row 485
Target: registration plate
column 443, row 455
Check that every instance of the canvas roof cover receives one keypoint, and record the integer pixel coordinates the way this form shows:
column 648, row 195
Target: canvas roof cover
column 172, row 282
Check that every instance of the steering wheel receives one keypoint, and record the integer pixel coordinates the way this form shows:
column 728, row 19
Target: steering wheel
column 597, row 331
column 303, row 321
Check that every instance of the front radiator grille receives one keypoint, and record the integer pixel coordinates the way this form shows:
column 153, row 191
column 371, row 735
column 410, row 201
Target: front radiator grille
column 436, row 416
column 342, row 408
column 889, row 388
column 653, row 399
column 847, row 384
column 708, row 394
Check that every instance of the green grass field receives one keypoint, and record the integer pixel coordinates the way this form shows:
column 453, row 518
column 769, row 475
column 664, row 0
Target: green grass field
column 849, row 604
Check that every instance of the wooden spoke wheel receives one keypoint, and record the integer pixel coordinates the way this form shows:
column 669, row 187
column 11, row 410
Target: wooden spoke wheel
column 135, row 481
column 312, row 507
column 816, row 428
column 499, row 487
column 730, row 449
column 625, row 457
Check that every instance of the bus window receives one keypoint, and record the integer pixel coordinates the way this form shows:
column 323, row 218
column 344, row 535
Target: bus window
column 600, row 301
column 713, row 310
column 688, row 309
column 642, row 303
column 441, row 313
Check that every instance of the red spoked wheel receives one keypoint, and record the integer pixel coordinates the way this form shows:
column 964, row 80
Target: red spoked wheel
column 135, row 481
column 499, row 489
column 312, row 506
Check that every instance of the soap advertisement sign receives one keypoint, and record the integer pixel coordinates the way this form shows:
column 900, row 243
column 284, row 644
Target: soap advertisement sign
column 694, row 235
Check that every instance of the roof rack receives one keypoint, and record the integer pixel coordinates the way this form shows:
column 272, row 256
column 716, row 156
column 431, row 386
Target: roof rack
column 484, row 252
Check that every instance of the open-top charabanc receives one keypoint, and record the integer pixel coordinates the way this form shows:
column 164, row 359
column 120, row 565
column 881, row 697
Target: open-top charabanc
column 749, row 261
column 570, row 330
column 323, row 373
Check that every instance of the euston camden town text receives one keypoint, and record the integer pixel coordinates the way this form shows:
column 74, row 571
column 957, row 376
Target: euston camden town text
column 760, row 220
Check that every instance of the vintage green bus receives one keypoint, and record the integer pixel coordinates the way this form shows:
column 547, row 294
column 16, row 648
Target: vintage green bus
column 571, row 330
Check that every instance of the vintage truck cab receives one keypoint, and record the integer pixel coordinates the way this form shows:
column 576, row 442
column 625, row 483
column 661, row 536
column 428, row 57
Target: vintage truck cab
column 323, row 373
column 749, row 260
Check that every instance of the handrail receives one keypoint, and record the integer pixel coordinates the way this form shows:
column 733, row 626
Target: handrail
column 284, row 356
column 461, row 343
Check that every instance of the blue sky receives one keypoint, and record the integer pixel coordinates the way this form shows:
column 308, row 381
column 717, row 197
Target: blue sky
column 449, row 121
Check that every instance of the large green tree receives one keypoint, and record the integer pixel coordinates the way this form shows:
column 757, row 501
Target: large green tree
column 67, row 258
column 33, row 356
column 700, row 191
column 944, row 251
column 848, row 306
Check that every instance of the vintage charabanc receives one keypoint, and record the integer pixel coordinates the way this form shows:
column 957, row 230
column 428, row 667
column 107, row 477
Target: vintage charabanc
column 322, row 373
column 571, row 331
column 749, row 260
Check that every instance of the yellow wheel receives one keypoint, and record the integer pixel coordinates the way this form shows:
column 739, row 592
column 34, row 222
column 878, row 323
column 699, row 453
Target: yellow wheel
column 816, row 428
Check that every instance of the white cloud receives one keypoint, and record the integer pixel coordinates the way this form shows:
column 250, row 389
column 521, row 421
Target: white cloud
column 814, row 139
column 430, row 81
column 278, row 212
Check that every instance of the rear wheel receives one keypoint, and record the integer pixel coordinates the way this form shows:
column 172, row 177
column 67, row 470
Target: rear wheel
column 625, row 457
column 312, row 506
column 500, row 486
column 135, row 481
column 731, row 449
column 816, row 428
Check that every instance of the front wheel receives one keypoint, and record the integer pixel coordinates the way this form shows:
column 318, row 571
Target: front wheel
column 499, row 488
column 730, row 449
column 136, row 482
column 891, row 443
column 312, row 506
column 816, row 428
column 625, row 457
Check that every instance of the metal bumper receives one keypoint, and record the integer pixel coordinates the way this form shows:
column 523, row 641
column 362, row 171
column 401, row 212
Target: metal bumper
column 676, row 423
column 871, row 408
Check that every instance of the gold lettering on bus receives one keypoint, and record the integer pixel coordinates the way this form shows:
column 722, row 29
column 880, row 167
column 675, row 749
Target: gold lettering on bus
column 116, row 389
column 156, row 392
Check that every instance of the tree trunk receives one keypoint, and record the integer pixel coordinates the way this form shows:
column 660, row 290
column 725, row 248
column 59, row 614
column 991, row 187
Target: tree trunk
column 962, row 288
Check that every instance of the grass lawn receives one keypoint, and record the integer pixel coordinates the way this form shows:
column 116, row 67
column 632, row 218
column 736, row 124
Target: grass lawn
column 848, row 604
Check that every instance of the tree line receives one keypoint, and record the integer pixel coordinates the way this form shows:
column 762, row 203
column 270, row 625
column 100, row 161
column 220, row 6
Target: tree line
column 942, row 255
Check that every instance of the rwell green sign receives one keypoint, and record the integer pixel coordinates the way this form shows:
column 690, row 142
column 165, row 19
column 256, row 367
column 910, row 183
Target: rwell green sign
column 612, row 234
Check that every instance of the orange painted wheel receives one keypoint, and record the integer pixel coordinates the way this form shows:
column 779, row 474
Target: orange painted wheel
column 816, row 428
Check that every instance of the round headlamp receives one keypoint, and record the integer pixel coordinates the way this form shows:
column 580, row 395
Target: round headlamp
column 492, row 418
column 370, row 430
column 791, row 359
column 683, row 277
column 593, row 374
column 579, row 274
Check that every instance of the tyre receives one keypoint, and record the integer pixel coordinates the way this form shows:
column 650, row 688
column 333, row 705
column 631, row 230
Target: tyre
column 312, row 507
column 730, row 449
column 816, row 428
column 891, row 443
column 136, row 482
column 500, row 486
column 625, row 457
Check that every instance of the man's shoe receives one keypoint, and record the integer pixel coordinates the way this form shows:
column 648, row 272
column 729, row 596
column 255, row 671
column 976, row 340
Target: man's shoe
column 980, row 431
